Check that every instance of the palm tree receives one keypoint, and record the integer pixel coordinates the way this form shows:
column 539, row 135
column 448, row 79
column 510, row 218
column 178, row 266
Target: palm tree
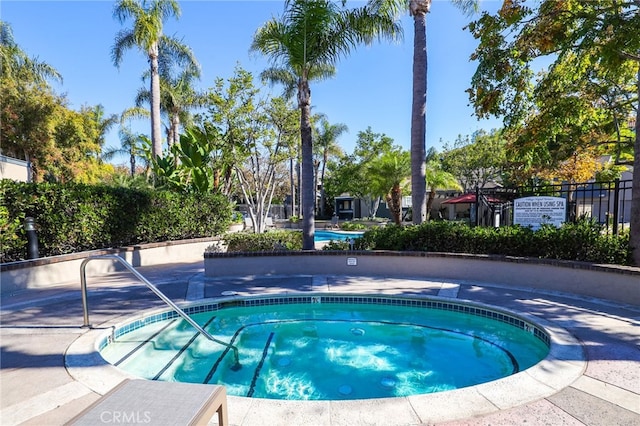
column 418, row 9
column 133, row 145
column 389, row 174
column 177, row 98
column 177, row 94
column 305, row 44
column 103, row 122
column 438, row 179
column 16, row 64
column 326, row 144
column 146, row 35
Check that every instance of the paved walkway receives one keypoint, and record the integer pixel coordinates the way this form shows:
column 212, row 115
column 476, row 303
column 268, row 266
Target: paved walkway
column 39, row 326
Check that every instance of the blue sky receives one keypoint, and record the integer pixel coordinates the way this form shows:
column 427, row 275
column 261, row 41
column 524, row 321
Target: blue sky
column 372, row 86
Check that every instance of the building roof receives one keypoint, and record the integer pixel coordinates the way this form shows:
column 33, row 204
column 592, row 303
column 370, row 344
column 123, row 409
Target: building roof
column 468, row 199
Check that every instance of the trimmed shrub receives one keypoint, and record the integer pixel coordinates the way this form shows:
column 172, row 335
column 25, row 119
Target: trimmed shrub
column 74, row 217
column 580, row 241
column 352, row 226
column 268, row 241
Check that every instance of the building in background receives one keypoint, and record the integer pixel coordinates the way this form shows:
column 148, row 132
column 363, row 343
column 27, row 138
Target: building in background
column 14, row 169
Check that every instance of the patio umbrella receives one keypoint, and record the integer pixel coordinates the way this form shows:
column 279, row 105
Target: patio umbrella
column 469, row 199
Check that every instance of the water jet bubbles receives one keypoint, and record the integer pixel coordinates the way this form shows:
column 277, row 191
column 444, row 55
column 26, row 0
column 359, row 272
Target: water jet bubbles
column 357, row 331
column 284, row 362
column 345, row 390
column 417, row 336
column 310, row 330
column 388, row 382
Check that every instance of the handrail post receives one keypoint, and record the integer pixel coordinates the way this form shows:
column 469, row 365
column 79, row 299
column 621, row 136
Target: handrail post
column 161, row 295
column 83, row 291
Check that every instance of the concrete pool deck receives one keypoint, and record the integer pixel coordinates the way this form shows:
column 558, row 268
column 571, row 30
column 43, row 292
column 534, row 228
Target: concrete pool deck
column 45, row 378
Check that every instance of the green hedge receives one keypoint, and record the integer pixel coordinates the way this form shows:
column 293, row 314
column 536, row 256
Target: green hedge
column 580, row 241
column 74, row 217
column 268, row 241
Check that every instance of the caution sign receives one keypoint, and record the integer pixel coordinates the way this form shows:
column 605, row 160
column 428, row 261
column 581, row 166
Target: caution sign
column 535, row 211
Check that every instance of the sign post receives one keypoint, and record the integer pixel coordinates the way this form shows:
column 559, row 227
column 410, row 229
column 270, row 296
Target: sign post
column 536, row 211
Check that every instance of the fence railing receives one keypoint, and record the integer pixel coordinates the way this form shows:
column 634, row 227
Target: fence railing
column 609, row 203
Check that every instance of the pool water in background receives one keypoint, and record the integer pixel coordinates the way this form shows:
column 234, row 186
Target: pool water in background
column 324, row 235
column 328, row 351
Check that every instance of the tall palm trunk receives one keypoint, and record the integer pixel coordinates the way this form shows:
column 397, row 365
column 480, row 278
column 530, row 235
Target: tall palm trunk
column 419, row 9
column 432, row 196
column 174, row 133
column 394, row 199
column 175, row 128
column 323, row 198
column 132, row 162
column 292, row 184
column 308, row 193
column 156, row 130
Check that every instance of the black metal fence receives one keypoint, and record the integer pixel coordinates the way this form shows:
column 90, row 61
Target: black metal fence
column 609, row 203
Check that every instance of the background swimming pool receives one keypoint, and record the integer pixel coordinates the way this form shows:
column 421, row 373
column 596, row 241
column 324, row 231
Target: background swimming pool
column 330, row 351
column 324, row 235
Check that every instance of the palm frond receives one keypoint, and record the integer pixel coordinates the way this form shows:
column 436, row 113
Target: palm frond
column 133, row 113
column 14, row 61
column 126, row 9
column 282, row 76
column 174, row 52
column 124, row 41
column 165, row 9
column 468, row 7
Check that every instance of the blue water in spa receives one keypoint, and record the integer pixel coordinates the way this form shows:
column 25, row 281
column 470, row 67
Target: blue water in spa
column 330, row 351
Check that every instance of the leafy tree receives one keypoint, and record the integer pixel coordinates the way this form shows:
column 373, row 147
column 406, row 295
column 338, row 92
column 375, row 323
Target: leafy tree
column 273, row 126
column 27, row 102
column 36, row 124
column 305, row 43
column 287, row 125
column 229, row 106
column 249, row 138
column 352, row 174
column 476, row 161
column 576, row 118
column 146, row 35
column 77, row 141
column 590, row 41
column 26, row 122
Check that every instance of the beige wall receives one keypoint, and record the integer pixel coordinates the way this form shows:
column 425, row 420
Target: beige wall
column 618, row 283
column 58, row 270
column 11, row 168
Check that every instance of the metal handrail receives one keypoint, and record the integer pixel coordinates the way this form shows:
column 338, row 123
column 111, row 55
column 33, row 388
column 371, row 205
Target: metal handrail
column 161, row 295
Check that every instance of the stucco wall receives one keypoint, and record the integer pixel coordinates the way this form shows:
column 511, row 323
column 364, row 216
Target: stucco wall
column 56, row 270
column 618, row 283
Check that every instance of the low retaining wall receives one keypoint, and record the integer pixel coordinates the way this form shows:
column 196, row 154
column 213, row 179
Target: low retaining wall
column 57, row 270
column 616, row 283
